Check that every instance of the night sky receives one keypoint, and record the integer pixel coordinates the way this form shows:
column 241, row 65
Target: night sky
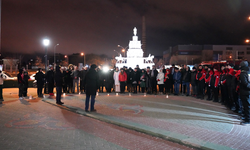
column 98, row 26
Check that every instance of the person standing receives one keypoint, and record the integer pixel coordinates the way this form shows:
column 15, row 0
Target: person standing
column 123, row 80
column 50, row 80
column 177, row 81
column 245, row 91
column 76, row 77
column 82, row 77
column 200, row 77
column 1, row 86
column 143, row 80
column 20, row 80
column 214, row 84
column 59, row 83
column 148, row 81
column 168, row 81
column 186, row 80
column 116, row 79
column 154, row 74
column 129, row 79
column 26, row 83
column 208, row 77
column 160, row 81
column 40, row 81
column 91, row 81
column 224, row 92
column 135, row 80
column 194, row 82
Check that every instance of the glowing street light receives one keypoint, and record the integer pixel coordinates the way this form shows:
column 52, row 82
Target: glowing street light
column 46, row 43
column 82, row 54
column 123, row 49
column 247, row 41
column 249, row 18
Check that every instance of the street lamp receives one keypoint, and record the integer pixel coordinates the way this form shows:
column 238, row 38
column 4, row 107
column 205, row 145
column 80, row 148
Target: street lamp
column 117, row 52
column 66, row 57
column 46, row 43
column 123, row 49
column 249, row 18
column 55, row 55
column 247, row 41
column 82, row 54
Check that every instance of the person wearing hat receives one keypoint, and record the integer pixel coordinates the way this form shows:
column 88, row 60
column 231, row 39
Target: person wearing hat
column 59, row 84
column 40, row 81
column 245, row 91
column 91, row 81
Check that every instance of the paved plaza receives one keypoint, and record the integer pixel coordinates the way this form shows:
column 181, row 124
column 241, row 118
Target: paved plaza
column 123, row 121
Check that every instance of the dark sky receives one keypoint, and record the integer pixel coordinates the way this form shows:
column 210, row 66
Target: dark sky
column 98, row 26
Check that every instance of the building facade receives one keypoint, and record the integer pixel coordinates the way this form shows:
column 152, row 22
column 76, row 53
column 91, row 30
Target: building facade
column 194, row 54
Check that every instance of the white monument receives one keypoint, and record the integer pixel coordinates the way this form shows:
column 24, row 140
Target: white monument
column 135, row 56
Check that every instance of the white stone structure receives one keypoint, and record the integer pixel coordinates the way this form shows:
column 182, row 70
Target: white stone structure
column 135, row 56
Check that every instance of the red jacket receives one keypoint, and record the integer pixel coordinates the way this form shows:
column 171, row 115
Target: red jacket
column 202, row 76
column 208, row 79
column 123, row 77
column 217, row 78
column 166, row 75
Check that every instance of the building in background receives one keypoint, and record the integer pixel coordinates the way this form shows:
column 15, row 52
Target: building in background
column 194, row 54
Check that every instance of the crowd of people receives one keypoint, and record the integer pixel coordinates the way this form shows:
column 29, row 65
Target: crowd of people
column 226, row 84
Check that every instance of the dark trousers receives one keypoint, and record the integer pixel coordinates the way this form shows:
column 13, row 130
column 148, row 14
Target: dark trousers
column 1, row 91
column 194, row 89
column 224, row 97
column 246, row 106
column 25, row 90
column 176, row 88
column 209, row 92
column 122, row 86
column 39, row 89
column 154, row 85
column 143, row 89
column 20, row 87
column 216, row 94
column 50, row 88
column 135, row 88
column 161, row 86
column 201, row 86
column 129, row 87
column 58, row 94
column 101, row 83
column 92, row 103
column 238, row 103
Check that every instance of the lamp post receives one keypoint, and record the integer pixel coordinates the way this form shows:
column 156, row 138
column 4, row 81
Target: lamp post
column 117, row 52
column 55, row 56
column 65, row 56
column 123, row 49
column 46, row 43
column 82, row 54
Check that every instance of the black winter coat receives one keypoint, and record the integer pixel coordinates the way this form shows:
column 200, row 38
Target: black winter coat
column 91, row 81
column 244, row 79
column 58, row 77
column 39, row 78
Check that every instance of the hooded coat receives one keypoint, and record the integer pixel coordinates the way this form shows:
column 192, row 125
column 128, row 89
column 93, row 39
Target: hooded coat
column 244, row 79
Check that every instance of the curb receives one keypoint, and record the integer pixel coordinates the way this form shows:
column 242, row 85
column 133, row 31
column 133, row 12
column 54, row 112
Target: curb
column 166, row 135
